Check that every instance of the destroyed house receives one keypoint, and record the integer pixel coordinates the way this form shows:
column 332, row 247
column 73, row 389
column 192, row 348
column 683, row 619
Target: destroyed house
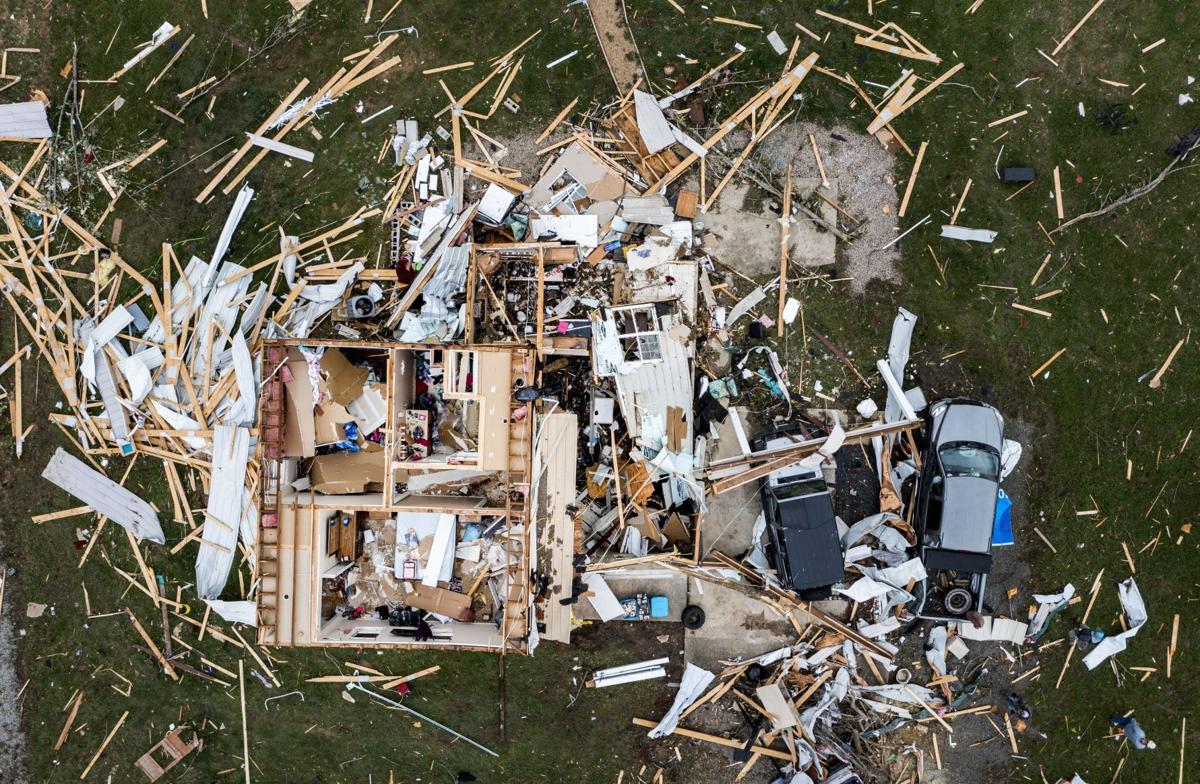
column 394, row 479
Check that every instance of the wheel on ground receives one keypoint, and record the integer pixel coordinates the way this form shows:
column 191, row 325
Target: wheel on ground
column 693, row 617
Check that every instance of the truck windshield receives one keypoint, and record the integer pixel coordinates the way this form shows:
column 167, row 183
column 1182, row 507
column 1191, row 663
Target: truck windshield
column 799, row 489
column 966, row 459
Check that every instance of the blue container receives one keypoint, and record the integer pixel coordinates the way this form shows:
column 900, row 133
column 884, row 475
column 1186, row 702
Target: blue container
column 659, row 607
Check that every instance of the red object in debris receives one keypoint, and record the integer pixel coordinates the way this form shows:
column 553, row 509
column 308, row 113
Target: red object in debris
column 403, row 690
column 89, row 158
column 1079, row 179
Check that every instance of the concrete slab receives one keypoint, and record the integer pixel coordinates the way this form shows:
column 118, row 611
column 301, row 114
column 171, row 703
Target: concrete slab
column 749, row 233
column 648, row 579
column 730, row 518
column 736, row 625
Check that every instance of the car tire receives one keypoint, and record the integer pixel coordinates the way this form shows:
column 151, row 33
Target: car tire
column 692, row 616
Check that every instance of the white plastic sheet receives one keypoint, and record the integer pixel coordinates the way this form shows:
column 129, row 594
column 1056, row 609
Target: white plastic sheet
column 1135, row 615
column 694, row 683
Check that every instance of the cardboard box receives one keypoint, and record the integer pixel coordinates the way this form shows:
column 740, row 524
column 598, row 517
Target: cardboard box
column 347, row 473
column 330, row 419
column 439, row 600
column 343, row 379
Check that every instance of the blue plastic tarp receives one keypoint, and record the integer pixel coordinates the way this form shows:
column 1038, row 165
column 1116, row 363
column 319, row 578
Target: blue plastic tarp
column 1002, row 532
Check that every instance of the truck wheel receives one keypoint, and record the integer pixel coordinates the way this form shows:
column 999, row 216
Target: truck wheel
column 958, row 601
column 692, row 617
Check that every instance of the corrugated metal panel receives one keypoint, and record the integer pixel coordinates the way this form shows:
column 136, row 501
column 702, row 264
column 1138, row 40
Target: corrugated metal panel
column 104, row 495
column 24, row 120
column 654, row 386
column 223, row 517
column 451, row 275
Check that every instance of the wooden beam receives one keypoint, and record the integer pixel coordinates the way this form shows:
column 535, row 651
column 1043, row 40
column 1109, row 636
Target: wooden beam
column 912, row 179
column 104, row 745
column 245, row 731
column 158, row 654
column 718, row 740
column 785, row 232
column 245, row 148
column 1078, row 25
column 790, row 81
column 888, row 113
column 558, row 118
column 62, row 736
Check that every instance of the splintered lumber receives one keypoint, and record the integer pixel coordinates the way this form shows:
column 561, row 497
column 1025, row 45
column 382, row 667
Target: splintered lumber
column 788, row 84
column 736, row 23
column 718, row 740
column 254, row 655
column 558, row 118
column 1182, row 744
column 900, row 51
column 112, row 733
column 62, row 736
column 855, row 25
column 912, row 179
column 280, row 147
column 246, row 145
column 1086, row 614
column 958, row 207
column 1047, row 364
column 300, row 116
column 1156, row 382
column 245, row 730
column 158, row 654
column 451, row 67
column 397, row 679
column 929, row 708
column 1078, row 25
column 1009, row 118
column 820, row 164
column 890, row 112
column 785, row 237
column 149, row 151
column 1058, row 203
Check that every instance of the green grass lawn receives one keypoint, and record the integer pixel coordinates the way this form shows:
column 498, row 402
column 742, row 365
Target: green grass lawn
column 1128, row 281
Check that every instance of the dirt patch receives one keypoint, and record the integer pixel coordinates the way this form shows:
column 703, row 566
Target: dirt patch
column 616, row 43
column 522, row 152
column 866, row 188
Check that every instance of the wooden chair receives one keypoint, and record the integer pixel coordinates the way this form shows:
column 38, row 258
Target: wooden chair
column 171, row 750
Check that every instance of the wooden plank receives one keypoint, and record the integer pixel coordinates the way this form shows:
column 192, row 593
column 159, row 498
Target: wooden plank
column 1058, row 202
column 889, row 114
column 717, row 739
column 241, row 152
column 1048, row 363
column 912, row 179
column 62, row 736
column 558, row 118
column 958, row 207
column 787, row 84
column 785, row 237
column 245, row 730
column 1078, row 25
column 899, row 51
column 451, row 67
column 736, row 23
column 280, row 147
column 104, row 745
column 158, row 654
